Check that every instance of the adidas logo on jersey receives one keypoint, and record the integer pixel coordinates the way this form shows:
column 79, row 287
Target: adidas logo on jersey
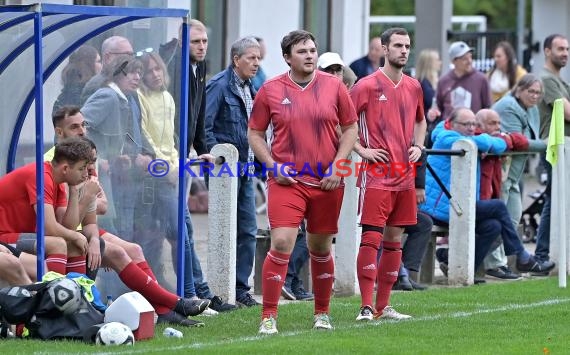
column 382, row 98
column 286, row 101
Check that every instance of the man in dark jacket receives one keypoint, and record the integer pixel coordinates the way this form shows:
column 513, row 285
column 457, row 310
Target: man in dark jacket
column 229, row 100
column 171, row 53
column 373, row 60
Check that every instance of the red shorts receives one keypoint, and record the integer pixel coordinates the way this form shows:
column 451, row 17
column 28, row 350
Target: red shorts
column 288, row 205
column 389, row 208
column 102, row 231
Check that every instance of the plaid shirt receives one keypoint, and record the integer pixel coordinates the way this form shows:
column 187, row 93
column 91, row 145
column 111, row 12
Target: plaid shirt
column 244, row 89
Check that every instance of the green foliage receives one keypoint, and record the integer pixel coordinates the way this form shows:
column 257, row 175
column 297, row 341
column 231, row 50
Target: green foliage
column 500, row 14
column 522, row 317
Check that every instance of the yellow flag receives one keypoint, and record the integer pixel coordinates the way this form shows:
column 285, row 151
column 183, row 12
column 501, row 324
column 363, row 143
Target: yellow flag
column 556, row 133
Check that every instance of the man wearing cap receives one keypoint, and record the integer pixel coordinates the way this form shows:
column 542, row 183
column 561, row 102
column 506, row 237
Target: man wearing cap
column 463, row 86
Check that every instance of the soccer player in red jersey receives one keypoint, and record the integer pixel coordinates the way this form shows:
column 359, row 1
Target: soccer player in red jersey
column 304, row 107
column 392, row 126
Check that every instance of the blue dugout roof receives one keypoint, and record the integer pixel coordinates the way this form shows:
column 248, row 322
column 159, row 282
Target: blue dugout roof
column 58, row 30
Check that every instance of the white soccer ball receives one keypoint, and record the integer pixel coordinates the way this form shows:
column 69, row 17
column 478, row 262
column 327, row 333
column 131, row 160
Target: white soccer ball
column 65, row 294
column 115, row 333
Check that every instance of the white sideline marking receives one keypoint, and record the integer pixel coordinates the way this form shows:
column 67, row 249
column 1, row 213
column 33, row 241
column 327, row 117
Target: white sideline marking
column 508, row 307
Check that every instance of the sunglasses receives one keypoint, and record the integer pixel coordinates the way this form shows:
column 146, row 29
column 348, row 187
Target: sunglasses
column 144, row 51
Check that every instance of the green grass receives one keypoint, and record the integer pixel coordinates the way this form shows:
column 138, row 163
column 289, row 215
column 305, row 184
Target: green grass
column 528, row 317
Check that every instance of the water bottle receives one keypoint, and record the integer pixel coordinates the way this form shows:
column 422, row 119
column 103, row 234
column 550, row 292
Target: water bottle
column 172, row 333
column 109, row 300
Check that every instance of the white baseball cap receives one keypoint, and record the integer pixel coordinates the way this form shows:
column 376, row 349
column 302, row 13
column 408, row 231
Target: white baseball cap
column 458, row 49
column 329, row 58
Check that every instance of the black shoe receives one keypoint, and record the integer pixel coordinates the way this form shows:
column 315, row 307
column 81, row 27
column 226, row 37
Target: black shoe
column 246, row 300
column 287, row 293
column 503, row 273
column 418, row 286
column 536, row 266
column 402, row 284
column 188, row 307
column 178, row 319
column 218, row 305
column 302, row 295
column 479, row 281
column 444, row 268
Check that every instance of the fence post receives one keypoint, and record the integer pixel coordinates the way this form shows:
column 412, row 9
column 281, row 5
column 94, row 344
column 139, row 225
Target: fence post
column 462, row 227
column 348, row 237
column 556, row 214
column 222, row 223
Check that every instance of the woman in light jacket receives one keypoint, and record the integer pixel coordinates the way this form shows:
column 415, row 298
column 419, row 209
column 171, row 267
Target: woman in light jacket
column 519, row 113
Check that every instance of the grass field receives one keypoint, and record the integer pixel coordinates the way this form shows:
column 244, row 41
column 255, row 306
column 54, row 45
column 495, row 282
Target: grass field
column 525, row 317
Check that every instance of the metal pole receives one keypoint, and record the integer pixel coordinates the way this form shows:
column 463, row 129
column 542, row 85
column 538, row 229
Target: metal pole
column 521, row 4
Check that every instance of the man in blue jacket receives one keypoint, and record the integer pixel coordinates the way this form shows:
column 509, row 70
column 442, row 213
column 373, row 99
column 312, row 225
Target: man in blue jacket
column 491, row 216
column 229, row 100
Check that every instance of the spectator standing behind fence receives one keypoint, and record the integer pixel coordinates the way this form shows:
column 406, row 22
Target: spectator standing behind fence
column 428, row 67
column 171, row 54
column 462, row 86
column 491, row 216
column 82, row 65
column 110, row 49
column 505, row 71
column 305, row 106
column 157, row 124
column 373, row 60
column 393, row 127
column 556, row 58
column 229, row 100
column 113, row 120
column 519, row 113
column 260, row 76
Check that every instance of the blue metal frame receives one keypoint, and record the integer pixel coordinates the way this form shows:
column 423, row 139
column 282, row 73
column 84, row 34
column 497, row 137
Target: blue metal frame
column 182, row 203
column 84, row 12
column 40, row 229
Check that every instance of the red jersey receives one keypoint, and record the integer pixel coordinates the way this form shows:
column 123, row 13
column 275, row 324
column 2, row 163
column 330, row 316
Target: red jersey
column 18, row 197
column 387, row 116
column 304, row 121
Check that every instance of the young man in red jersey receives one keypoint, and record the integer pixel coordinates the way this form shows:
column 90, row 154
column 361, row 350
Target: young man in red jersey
column 392, row 126
column 304, row 106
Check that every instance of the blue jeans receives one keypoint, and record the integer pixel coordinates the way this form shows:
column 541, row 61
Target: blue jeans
column 202, row 289
column 542, row 250
column 298, row 258
column 491, row 219
column 246, row 232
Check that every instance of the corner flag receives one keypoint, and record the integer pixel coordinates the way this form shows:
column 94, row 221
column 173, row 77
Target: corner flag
column 556, row 133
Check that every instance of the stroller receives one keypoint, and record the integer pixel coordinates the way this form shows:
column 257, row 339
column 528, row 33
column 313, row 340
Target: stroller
column 528, row 225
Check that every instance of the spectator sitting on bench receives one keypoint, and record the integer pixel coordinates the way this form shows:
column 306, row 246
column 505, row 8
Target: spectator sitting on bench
column 418, row 235
column 491, row 216
column 495, row 263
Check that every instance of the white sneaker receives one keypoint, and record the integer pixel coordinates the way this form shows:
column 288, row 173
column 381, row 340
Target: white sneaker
column 322, row 321
column 366, row 313
column 268, row 326
column 208, row 312
column 391, row 313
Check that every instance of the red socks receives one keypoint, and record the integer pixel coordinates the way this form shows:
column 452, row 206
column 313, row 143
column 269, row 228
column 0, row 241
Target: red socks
column 322, row 274
column 272, row 280
column 137, row 280
column 76, row 264
column 387, row 273
column 56, row 263
column 366, row 265
column 144, row 266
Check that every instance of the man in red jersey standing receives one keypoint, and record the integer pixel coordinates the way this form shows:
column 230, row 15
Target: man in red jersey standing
column 304, row 107
column 392, row 126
